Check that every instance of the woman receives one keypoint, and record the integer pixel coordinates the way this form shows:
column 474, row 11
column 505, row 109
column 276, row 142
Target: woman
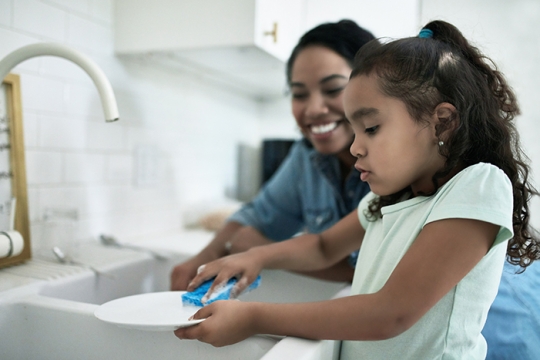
column 317, row 184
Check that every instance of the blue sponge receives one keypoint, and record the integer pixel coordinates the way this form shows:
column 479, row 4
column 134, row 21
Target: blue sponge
column 193, row 298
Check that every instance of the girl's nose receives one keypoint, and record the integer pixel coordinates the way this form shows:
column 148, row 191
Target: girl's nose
column 357, row 150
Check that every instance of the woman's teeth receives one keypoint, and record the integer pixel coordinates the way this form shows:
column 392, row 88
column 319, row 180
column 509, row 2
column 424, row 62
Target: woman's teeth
column 322, row 129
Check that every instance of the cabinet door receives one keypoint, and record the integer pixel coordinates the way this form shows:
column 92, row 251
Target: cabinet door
column 278, row 26
column 384, row 18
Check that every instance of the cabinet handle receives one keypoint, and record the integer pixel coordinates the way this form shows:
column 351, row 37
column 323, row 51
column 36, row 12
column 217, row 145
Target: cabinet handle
column 272, row 33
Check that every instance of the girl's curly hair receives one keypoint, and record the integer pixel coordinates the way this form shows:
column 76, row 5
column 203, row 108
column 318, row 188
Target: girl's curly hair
column 424, row 72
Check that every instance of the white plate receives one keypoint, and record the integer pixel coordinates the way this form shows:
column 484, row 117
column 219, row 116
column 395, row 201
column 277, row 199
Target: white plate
column 160, row 311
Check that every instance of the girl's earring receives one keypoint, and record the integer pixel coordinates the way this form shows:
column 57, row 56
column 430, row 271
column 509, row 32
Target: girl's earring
column 441, row 143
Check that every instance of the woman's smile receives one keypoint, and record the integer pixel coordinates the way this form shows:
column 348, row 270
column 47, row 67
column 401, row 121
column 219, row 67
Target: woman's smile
column 319, row 76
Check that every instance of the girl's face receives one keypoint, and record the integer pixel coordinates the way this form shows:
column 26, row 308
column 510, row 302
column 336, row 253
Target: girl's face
column 318, row 78
column 393, row 150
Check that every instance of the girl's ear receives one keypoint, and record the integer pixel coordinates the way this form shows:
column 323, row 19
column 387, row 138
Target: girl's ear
column 446, row 119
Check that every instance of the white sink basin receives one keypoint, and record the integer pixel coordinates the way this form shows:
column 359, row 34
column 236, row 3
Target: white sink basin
column 54, row 319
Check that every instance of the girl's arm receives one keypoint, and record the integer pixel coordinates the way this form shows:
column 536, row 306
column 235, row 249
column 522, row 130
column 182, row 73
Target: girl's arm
column 304, row 253
column 443, row 253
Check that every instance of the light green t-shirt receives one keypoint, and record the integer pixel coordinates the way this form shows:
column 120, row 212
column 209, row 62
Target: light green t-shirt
column 452, row 328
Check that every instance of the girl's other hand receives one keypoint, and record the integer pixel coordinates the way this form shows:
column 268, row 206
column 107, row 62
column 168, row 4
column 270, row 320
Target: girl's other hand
column 227, row 322
column 242, row 266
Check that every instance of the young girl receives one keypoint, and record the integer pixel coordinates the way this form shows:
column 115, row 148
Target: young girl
column 435, row 141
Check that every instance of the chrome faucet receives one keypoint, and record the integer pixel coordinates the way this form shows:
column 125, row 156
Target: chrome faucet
column 103, row 85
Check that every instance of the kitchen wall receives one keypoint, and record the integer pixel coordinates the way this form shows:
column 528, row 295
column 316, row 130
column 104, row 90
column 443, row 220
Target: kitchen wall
column 175, row 143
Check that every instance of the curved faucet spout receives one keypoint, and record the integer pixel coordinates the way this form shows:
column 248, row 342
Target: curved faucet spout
column 103, row 85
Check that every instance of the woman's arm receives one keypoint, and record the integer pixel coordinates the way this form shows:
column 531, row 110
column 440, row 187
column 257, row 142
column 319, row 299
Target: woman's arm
column 248, row 237
column 308, row 252
column 182, row 274
column 443, row 253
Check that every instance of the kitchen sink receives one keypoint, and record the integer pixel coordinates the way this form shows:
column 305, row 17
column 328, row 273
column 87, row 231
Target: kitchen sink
column 54, row 319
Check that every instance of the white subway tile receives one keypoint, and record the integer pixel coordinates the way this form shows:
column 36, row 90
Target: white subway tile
column 40, row 93
column 28, row 66
column 31, row 126
column 43, row 167
column 90, row 35
column 84, row 168
column 33, row 204
column 5, row 12
column 135, row 223
column 40, row 18
column 12, row 40
column 65, row 69
column 141, row 135
column 102, row 9
column 119, row 168
column 82, row 100
column 61, row 132
column 106, row 136
column 82, row 6
column 63, row 196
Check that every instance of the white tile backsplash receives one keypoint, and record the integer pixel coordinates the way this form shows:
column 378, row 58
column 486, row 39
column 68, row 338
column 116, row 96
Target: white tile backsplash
column 81, row 6
column 107, row 136
column 60, row 132
column 76, row 160
column 31, row 133
column 42, row 94
column 84, row 168
column 82, row 100
column 102, row 10
column 12, row 40
column 63, row 69
column 119, row 169
column 38, row 18
column 6, row 7
column 90, row 35
column 44, row 167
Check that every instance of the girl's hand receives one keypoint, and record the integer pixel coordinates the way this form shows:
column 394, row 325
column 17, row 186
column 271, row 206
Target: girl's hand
column 227, row 322
column 243, row 266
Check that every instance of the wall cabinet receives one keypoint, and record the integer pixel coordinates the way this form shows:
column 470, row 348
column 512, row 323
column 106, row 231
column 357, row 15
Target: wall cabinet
column 242, row 43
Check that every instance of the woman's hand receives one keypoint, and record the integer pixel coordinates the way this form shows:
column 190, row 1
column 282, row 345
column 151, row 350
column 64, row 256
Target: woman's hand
column 227, row 322
column 182, row 274
column 244, row 266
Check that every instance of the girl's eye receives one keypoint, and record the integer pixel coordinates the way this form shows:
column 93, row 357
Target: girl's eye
column 334, row 92
column 372, row 130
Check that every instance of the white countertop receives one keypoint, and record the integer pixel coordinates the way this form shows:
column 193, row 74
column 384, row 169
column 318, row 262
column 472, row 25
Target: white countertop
column 186, row 242
column 183, row 242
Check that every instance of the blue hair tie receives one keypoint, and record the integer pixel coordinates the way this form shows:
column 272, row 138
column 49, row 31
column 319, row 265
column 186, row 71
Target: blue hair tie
column 425, row 34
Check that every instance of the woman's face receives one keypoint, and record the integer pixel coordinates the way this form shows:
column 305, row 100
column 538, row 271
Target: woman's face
column 318, row 78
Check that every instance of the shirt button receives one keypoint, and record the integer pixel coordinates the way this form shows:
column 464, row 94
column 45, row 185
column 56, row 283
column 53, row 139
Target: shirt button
column 319, row 220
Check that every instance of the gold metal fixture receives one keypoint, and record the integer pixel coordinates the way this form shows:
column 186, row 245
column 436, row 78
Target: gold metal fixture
column 273, row 33
column 14, row 124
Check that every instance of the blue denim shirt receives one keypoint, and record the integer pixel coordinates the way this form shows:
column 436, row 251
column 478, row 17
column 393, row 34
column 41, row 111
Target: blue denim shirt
column 512, row 329
column 305, row 194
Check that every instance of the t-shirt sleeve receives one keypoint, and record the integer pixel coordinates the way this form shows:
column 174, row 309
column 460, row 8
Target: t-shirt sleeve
column 481, row 192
